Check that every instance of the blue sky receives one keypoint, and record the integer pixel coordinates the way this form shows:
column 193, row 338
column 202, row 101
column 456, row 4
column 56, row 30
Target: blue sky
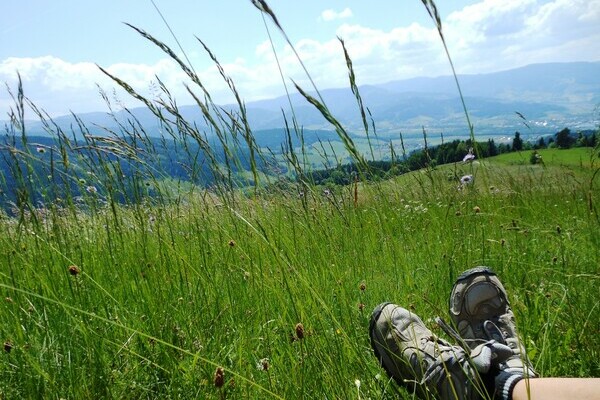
column 55, row 45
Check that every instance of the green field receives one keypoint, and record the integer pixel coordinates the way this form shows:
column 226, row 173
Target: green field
column 576, row 157
column 146, row 301
column 138, row 285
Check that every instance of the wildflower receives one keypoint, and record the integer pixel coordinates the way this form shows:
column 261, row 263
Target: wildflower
column 357, row 383
column 8, row 346
column 377, row 377
column 263, row 364
column 362, row 286
column 219, row 377
column 361, row 306
column 466, row 180
column 91, row 189
column 326, row 192
column 299, row 331
column 74, row 270
column 468, row 157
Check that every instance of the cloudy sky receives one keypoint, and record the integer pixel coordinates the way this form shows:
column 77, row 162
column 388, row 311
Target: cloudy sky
column 57, row 45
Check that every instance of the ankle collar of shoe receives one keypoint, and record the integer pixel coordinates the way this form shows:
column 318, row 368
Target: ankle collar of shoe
column 505, row 384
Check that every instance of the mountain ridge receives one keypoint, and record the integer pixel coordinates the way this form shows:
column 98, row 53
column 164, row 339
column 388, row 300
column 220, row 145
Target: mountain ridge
column 550, row 96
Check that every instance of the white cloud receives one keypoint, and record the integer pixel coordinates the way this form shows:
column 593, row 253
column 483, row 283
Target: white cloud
column 330, row 15
column 487, row 36
column 501, row 34
column 57, row 86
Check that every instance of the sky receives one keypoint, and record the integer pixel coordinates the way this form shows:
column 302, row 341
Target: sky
column 57, row 46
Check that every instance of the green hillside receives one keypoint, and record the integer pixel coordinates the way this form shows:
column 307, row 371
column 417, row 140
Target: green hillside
column 576, row 157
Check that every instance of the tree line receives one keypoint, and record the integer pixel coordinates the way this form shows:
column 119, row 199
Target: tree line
column 451, row 152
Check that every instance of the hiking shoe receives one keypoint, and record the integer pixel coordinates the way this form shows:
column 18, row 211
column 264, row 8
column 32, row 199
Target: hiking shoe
column 481, row 312
column 419, row 361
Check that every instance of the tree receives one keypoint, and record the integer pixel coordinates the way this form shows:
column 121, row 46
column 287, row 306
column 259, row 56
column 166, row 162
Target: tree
column 517, row 144
column 503, row 148
column 564, row 139
column 540, row 144
column 492, row 149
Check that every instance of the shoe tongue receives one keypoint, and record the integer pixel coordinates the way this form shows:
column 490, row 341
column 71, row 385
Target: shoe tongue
column 493, row 332
column 482, row 298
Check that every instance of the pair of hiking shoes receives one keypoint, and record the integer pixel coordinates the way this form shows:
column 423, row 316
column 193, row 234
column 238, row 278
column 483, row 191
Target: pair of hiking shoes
column 488, row 361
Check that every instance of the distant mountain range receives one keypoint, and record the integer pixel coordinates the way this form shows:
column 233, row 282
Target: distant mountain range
column 549, row 96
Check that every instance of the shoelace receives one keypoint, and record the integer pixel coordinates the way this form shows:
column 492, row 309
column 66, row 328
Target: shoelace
column 447, row 356
column 486, row 353
column 452, row 333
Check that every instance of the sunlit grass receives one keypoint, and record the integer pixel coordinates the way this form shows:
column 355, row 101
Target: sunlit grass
column 579, row 156
column 154, row 288
column 171, row 292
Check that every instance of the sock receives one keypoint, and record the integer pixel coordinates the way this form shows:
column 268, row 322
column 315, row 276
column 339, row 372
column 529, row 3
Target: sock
column 505, row 383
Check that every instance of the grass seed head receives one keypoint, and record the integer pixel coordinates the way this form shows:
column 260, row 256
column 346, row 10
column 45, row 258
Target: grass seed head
column 74, row 270
column 8, row 346
column 299, row 330
column 219, row 377
column 263, row 364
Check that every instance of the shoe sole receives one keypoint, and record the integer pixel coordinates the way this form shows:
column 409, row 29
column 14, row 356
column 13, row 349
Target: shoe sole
column 374, row 318
column 468, row 278
column 475, row 271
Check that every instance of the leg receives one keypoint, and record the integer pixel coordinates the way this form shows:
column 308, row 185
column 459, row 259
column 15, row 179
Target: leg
column 557, row 389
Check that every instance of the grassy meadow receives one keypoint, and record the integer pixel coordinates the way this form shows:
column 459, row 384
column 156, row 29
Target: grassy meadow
column 148, row 301
column 217, row 293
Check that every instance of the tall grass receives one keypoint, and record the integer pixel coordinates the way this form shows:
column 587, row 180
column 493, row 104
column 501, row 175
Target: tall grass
column 148, row 288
